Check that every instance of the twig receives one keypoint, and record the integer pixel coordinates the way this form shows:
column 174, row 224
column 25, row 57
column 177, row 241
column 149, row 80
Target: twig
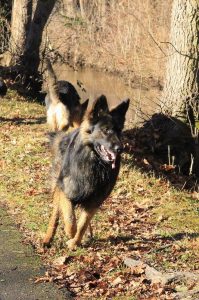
column 191, row 165
column 183, row 54
column 160, row 248
column 169, row 155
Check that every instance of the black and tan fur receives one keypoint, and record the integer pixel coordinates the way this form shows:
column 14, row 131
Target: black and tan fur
column 63, row 103
column 86, row 166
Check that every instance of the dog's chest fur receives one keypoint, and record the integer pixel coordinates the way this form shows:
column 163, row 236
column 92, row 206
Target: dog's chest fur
column 84, row 177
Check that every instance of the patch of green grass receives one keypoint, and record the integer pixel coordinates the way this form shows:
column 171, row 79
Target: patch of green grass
column 24, row 169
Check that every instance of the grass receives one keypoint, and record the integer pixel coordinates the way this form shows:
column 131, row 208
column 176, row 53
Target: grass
column 145, row 216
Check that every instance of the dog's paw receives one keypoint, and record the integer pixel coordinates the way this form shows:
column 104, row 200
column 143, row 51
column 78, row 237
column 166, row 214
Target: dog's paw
column 46, row 243
column 72, row 244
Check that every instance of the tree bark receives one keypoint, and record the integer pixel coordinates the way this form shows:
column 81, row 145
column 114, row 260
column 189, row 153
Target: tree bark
column 180, row 94
column 26, row 37
column 31, row 57
column 21, row 18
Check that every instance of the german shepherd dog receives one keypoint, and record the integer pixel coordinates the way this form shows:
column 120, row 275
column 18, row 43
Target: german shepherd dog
column 85, row 169
column 62, row 103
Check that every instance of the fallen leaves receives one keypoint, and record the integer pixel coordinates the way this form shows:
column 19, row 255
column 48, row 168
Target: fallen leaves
column 126, row 227
column 195, row 195
column 101, row 272
column 106, row 270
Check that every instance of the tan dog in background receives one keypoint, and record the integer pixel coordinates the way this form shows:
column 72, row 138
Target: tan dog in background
column 63, row 103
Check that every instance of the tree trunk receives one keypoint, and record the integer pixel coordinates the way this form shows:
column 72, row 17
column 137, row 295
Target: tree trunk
column 180, row 94
column 31, row 58
column 21, row 18
column 26, row 37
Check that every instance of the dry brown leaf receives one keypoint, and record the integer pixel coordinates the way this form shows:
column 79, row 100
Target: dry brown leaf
column 167, row 168
column 145, row 161
column 116, row 281
column 138, row 270
column 60, row 261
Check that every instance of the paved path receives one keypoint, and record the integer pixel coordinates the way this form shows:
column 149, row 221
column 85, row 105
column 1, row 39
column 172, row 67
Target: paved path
column 19, row 266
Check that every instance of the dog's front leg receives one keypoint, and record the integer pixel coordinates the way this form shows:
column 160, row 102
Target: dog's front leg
column 53, row 223
column 68, row 213
column 84, row 220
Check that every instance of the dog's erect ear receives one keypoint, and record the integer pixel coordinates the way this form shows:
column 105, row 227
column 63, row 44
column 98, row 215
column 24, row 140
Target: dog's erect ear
column 119, row 112
column 100, row 106
column 85, row 105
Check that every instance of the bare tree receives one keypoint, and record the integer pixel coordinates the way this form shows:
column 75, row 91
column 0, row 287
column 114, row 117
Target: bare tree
column 180, row 95
column 26, row 36
column 30, row 58
column 20, row 24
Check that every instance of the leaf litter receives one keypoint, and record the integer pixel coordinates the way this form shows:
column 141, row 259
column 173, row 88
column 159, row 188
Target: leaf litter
column 142, row 221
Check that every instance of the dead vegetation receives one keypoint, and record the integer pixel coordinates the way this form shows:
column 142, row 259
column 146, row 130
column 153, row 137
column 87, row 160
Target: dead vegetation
column 149, row 219
column 117, row 36
column 5, row 16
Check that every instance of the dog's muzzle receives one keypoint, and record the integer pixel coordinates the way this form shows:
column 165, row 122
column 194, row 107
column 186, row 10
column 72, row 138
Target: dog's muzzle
column 108, row 155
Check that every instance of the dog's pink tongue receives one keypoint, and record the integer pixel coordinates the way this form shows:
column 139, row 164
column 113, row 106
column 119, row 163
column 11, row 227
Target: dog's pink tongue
column 113, row 156
column 113, row 165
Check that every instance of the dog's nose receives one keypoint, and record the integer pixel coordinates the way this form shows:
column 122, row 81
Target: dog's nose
column 118, row 148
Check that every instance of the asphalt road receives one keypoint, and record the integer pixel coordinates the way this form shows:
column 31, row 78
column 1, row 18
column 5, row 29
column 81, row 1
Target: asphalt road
column 19, row 266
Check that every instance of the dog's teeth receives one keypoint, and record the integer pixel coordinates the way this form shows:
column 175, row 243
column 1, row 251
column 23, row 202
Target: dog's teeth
column 103, row 149
column 108, row 155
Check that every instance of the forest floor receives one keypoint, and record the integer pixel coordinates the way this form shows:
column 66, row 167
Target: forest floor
column 146, row 238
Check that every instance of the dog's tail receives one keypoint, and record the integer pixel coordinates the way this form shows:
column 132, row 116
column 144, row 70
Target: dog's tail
column 52, row 83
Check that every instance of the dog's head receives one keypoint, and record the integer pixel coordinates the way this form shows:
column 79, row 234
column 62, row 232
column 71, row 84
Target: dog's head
column 102, row 128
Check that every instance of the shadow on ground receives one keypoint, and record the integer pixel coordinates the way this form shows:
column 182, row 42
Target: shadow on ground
column 26, row 121
column 164, row 147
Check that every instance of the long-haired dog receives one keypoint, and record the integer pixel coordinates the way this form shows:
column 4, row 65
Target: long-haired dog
column 85, row 169
column 62, row 102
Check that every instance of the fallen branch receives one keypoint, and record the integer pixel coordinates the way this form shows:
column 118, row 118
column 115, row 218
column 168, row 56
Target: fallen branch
column 156, row 276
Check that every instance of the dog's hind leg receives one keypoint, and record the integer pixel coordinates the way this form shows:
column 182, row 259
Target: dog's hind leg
column 53, row 223
column 90, row 229
column 68, row 213
column 51, row 118
column 62, row 117
column 84, row 221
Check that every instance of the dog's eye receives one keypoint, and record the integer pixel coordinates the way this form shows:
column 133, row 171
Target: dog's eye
column 108, row 130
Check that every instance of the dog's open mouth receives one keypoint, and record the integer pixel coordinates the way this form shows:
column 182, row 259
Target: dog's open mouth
column 106, row 155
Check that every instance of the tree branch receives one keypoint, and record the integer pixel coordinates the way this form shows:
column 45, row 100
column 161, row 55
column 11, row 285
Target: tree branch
column 183, row 54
